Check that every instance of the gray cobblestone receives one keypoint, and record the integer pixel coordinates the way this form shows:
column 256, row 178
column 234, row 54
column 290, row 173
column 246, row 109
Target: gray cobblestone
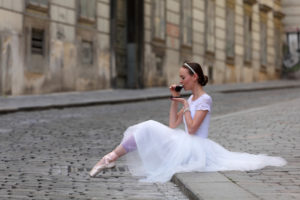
column 47, row 154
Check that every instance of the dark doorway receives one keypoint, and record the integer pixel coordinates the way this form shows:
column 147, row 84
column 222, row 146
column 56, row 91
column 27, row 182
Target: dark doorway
column 127, row 43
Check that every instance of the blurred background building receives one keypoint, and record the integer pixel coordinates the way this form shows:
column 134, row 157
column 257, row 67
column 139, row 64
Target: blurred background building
column 291, row 67
column 75, row 45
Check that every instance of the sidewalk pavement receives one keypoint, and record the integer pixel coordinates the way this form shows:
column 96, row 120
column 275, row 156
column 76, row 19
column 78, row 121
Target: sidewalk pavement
column 223, row 185
column 112, row 96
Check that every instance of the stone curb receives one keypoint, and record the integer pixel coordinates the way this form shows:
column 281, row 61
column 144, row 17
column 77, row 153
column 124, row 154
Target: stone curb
column 83, row 103
column 136, row 96
column 78, row 104
column 195, row 186
column 258, row 88
column 184, row 188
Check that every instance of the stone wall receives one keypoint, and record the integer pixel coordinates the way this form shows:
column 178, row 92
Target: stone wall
column 11, row 65
column 215, row 62
column 73, row 53
column 58, row 67
column 292, row 15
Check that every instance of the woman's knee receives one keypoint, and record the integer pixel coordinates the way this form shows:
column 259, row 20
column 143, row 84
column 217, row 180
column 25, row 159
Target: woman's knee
column 129, row 144
column 149, row 123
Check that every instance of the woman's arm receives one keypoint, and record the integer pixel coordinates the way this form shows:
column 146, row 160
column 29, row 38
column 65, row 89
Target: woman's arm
column 194, row 124
column 175, row 118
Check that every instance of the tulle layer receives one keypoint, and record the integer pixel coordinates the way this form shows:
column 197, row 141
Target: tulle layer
column 162, row 152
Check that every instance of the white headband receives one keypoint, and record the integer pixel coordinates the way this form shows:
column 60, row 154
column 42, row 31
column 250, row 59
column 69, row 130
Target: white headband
column 187, row 65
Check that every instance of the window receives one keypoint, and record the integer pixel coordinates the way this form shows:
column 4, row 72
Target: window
column 278, row 47
column 38, row 5
column 278, row 32
column 247, row 34
column 37, row 41
column 210, row 25
column 86, row 52
column 230, row 28
column 263, row 40
column 186, row 22
column 210, row 73
column 159, row 18
column 86, row 10
column 264, row 9
column 159, row 63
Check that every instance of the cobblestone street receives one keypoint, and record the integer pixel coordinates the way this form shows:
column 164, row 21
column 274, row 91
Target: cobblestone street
column 47, row 154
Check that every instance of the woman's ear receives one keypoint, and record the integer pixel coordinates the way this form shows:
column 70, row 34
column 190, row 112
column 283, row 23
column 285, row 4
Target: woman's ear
column 195, row 77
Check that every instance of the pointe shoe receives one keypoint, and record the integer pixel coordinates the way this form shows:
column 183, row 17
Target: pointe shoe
column 98, row 168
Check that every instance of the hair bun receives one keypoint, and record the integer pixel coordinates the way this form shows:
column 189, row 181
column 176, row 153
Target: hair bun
column 204, row 80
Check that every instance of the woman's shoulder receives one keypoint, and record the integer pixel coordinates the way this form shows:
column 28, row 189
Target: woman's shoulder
column 207, row 96
column 204, row 102
column 203, row 98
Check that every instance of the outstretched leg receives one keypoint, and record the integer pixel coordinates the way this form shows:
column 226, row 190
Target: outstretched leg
column 108, row 161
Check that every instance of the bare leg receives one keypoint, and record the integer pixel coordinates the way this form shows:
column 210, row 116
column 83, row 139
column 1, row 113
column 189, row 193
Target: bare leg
column 120, row 151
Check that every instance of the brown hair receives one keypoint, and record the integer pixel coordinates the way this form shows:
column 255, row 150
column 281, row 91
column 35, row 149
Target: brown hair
column 202, row 79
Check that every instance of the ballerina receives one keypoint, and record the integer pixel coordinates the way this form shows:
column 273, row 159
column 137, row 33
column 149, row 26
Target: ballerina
column 156, row 151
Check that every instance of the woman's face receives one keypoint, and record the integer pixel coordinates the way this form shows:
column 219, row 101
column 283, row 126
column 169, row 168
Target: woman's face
column 186, row 79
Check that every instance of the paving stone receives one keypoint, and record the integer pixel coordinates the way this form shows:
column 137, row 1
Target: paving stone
column 47, row 154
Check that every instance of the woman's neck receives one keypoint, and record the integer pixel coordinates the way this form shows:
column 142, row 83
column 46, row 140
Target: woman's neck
column 197, row 91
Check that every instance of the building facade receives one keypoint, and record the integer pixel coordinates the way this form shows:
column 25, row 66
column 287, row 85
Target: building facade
column 291, row 23
column 76, row 45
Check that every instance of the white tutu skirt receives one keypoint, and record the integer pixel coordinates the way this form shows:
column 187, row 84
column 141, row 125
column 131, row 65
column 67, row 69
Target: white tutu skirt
column 161, row 152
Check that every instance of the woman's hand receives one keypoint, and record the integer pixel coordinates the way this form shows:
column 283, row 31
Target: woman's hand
column 173, row 92
column 183, row 101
